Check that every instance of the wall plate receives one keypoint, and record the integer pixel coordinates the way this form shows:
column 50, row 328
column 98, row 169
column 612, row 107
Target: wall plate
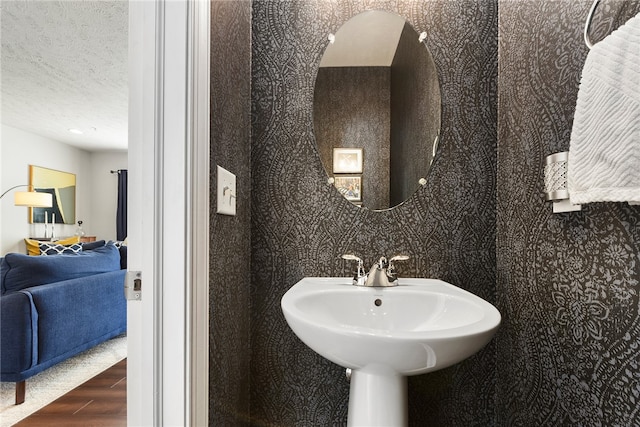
column 226, row 191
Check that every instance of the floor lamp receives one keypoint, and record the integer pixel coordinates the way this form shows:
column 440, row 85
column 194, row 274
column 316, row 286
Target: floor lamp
column 30, row 198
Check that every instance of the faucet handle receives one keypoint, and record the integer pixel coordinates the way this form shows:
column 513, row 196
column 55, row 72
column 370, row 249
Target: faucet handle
column 359, row 275
column 391, row 268
column 350, row 257
column 399, row 258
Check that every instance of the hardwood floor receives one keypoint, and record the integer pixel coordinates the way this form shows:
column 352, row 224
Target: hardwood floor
column 99, row 402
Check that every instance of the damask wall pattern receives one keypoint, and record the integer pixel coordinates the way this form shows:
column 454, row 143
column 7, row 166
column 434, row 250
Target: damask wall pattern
column 415, row 118
column 344, row 98
column 300, row 225
column 567, row 284
column 230, row 249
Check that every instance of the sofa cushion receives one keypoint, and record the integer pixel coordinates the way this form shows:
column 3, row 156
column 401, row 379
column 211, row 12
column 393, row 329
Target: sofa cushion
column 122, row 247
column 92, row 245
column 22, row 271
column 73, row 313
column 49, row 248
column 33, row 246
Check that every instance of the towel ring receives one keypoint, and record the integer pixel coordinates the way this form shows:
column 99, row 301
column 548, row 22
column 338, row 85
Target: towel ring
column 588, row 24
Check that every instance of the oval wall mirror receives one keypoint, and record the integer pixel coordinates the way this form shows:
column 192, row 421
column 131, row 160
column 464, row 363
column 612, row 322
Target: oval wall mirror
column 376, row 110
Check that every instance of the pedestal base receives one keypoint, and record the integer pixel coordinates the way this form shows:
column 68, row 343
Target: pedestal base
column 377, row 397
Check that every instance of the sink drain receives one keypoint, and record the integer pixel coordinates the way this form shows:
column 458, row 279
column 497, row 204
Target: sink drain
column 378, row 302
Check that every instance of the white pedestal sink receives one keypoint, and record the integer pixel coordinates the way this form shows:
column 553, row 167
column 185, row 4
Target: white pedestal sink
column 386, row 334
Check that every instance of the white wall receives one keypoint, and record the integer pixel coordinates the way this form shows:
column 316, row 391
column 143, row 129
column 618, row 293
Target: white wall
column 19, row 149
column 104, row 201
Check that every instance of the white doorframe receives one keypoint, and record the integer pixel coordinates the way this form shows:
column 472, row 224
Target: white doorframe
column 199, row 91
column 167, row 367
column 143, row 337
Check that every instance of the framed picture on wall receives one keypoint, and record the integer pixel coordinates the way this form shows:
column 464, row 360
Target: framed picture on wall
column 349, row 186
column 347, row 160
column 62, row 187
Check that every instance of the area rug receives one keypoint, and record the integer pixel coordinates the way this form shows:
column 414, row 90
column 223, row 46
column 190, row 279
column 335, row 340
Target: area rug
column 56, row 381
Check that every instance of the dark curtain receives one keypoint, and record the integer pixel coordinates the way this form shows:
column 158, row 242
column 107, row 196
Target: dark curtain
column 121, row 215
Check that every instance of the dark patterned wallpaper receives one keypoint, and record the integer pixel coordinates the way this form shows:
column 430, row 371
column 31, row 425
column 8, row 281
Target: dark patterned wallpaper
column 300, row 225
column 414, row 120
column 351, row 109
column 569, row 347
column 567, row 284
column 230, row 248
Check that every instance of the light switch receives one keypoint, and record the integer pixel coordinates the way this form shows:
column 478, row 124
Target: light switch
column 226, row 192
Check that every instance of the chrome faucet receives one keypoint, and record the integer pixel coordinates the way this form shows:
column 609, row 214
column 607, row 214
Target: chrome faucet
column 382, row 273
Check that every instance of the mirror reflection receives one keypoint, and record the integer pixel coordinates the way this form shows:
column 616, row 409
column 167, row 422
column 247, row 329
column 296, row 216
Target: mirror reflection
column 376, row 110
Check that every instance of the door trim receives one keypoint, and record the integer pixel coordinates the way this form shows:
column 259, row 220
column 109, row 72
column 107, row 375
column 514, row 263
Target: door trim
column 198, row 216
column 167, row 373
column 144, row 378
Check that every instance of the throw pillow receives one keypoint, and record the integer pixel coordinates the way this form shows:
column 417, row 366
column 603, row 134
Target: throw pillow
column 123, row 257
column 33, row 246
column 48, row 248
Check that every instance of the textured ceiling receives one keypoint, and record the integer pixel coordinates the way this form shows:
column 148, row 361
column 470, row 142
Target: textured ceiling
column 64, row 65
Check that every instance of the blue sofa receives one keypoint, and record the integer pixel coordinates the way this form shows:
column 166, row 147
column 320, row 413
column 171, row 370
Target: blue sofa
column 54, row 307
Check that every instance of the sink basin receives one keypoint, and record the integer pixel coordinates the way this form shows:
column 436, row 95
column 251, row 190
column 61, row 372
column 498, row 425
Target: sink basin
column 385, row 334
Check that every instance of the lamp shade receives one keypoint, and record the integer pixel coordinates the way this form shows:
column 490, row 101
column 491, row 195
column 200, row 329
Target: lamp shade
column 33, row 199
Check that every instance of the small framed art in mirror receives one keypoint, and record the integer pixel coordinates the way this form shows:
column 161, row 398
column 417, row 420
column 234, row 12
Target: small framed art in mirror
column 350, row 186
column 347, row 160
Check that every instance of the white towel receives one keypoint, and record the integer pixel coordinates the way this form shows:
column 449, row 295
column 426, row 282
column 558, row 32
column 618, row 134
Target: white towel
column 604, row 154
